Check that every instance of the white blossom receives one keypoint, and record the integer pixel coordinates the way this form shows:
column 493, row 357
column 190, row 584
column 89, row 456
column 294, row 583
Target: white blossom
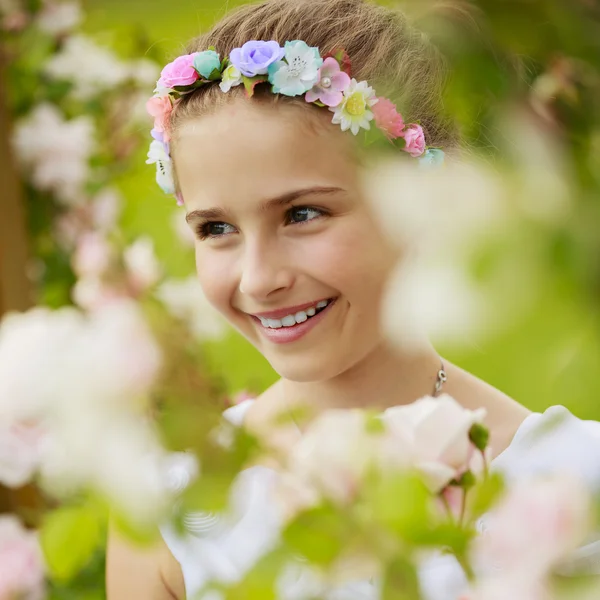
column 185, row 300
column 142, row 265
column 55, row 151
column 59, row 18
column 19, row 453
column 92, row 68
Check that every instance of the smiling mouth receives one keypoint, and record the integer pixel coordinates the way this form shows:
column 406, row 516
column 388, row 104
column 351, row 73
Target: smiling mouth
column 297, row 318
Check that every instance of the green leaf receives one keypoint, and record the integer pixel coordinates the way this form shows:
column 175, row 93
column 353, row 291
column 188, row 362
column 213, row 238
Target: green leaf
column 485, row 494
column 400, row 581
column 251, row 82
column 480, row 436
column 215, row 75
column 69, row 536
column 318, row 534
column 401, row 503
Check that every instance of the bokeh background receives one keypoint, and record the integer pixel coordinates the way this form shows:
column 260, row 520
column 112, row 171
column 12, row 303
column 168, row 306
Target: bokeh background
column 524, row 89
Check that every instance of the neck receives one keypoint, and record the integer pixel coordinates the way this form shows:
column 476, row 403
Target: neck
column 385, row 377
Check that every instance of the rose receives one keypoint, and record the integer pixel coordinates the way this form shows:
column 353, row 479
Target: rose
column 206, row 62
column 254, row 57
column 21, row 563
column 415, row 140
column 160, row 108
column 441, row 448
column 180, row 72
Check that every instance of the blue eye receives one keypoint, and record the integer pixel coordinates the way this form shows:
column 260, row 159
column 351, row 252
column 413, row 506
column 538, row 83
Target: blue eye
column 302, row 214
column 212, row 229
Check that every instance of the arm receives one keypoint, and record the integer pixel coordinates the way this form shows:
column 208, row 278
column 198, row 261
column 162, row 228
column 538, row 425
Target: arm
column 134, row 571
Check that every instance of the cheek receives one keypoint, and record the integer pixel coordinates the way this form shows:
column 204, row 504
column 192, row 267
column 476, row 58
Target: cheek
column 216, row 276
column 352, row 258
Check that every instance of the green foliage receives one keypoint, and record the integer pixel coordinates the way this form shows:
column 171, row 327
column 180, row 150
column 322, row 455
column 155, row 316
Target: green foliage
column 70, row 536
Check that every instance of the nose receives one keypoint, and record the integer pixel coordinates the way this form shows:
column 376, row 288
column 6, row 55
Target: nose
column 265, row 271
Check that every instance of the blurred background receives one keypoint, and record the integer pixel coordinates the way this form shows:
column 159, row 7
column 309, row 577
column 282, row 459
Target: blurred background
column 512, row 296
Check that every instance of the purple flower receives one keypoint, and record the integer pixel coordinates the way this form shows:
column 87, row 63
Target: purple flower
column 254, row 57
column 332, row 83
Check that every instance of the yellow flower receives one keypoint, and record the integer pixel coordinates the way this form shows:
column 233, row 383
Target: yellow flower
column 354, row 111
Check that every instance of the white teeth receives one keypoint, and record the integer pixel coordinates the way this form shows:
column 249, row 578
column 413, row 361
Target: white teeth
column 291, row 320
column 288, row 321
column 300, row 317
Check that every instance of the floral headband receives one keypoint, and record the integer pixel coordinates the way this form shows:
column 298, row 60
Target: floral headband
column 294, row 70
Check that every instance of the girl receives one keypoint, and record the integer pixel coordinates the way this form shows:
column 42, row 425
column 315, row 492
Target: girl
column 287, row 250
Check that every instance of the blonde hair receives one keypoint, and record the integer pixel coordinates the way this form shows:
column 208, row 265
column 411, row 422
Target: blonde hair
column 384, row 48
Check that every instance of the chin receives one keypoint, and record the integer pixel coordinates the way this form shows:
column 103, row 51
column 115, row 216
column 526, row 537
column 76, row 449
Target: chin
column 308, row 369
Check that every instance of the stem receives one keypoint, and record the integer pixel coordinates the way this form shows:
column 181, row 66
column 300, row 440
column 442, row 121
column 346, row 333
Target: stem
column 463, row 508
column 486, row 468
column 448, row 509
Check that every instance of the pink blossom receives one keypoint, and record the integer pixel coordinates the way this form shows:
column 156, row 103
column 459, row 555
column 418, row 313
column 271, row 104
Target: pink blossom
column 388, row 119
column 21, row 562
column 179, row 72
column 92, row 255
column 160, row 108
column 439, row 427
column 415, row 140
column 332, row 83
column 537, row 524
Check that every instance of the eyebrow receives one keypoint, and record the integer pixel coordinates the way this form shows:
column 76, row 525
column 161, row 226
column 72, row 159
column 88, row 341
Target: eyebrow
column 219, row 213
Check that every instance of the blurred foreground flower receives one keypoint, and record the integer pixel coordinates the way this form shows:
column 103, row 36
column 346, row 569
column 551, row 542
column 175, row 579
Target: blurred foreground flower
column 86, row 380
column 21, row 564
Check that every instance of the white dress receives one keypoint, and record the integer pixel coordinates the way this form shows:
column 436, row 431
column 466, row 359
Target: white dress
column 223, row 550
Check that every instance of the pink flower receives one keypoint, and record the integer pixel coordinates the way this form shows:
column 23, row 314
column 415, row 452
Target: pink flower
column 415, row 140
column 441, row 449
column 332, row 83
column 21, row 563
column 534, row 526
column 179, row 72
column 388, row 119
column 92, row 255
column 160, row 108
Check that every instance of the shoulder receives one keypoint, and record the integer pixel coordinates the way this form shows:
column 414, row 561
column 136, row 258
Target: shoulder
column 555, row 440
column 136, row 571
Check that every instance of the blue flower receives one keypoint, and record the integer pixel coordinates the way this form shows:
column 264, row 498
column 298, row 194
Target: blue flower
column 299, row 72
column 206, row 62
column 433, row 157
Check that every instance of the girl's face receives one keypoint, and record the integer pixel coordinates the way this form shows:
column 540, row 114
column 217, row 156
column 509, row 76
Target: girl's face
column 286, row 248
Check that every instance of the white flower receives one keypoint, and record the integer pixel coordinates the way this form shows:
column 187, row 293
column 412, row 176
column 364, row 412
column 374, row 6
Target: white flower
column 91, row 293
column 59, row 18
column 90, row 67
column 105, row 209
column 164, row 167
column 21, row 561
column 185, row 300
column 142, row 265
column 299, row 72
column 19, row 453
column 143, row 72
column 230, row 77
column 55, row 151
column 353, row 112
